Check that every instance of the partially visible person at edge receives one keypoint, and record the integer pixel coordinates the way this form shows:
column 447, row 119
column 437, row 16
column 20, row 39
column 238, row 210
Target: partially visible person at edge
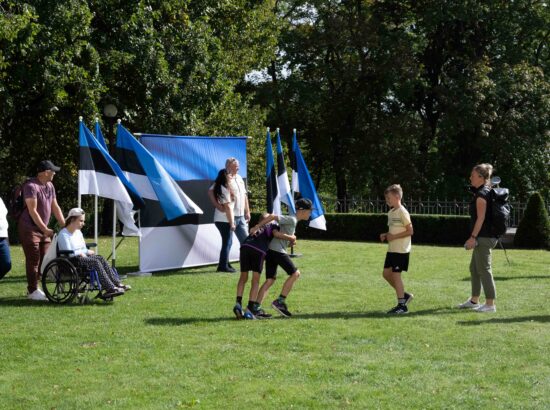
column 223, row 219
column 34, row 233
column 5, row 257
column 481, row 241
column 241, row 211
column 71, row 239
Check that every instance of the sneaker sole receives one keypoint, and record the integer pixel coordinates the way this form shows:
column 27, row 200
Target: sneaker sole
column 279, row 311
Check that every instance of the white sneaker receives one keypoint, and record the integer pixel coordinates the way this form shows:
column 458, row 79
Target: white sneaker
column 486, row 309
column 37, row 295
column 468, row 305
column 41, row 292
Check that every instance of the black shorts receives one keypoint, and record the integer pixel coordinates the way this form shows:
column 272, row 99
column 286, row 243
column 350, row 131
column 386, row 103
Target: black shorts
column 251, row 259
column 274, row 259
column 398, row 262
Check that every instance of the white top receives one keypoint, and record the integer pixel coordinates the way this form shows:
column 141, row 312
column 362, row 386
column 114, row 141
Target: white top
column 220, row 216
column 398, row 219
column 239, row 190
column 287, row 225
column 67, row 241
column 3, row 220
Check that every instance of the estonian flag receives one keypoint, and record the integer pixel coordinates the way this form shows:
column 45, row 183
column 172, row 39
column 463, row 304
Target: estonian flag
column 99, row 135
column 150, row 178
column 282, row 178
column 272, row 187
column 302, row 183
column 100, row 175
column 125, row 213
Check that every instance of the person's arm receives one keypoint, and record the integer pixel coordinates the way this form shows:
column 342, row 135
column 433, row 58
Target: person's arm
column 229, row 214
column 284, row 236
column 407, row 232
column 214, row 201
column 269, row 218
column 58, row 213
column 32, row 208
column 246, row 209
column 64, row 243
column 481, row 207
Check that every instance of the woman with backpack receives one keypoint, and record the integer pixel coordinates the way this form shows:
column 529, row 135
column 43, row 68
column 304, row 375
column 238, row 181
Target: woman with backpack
column 481, row 240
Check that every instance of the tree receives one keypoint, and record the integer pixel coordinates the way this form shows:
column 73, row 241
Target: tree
column 534, row 228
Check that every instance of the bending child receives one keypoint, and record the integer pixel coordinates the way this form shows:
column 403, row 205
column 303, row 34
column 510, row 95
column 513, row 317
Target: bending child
column 253, row 252
column 277, row 256
column 399, row 247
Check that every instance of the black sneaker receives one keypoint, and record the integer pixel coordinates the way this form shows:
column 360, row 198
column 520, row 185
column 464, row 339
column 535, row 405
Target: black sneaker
column 260, row 314
column 398, row 310
column 408, row 298
column 238, row 310
column 281, row 308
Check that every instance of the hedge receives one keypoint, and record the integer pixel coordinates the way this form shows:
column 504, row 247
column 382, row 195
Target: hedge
column 428, row 229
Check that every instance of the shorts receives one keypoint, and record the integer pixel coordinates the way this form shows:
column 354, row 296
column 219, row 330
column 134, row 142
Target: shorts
column 398, row 262
column 251, row 259
column 275, row 259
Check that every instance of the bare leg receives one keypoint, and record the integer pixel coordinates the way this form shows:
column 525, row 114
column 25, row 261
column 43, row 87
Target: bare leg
column 254, row 288
column 264, row 289
column 289, row 283
column 242, row 282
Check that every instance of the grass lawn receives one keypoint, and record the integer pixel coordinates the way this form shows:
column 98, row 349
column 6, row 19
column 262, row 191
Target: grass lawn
column 172, row 341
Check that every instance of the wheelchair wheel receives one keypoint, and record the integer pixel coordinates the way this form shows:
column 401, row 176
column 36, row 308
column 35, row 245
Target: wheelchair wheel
column 60, row 281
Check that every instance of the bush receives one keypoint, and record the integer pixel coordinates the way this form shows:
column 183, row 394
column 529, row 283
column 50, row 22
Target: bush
column 429, row 229
column 534, row 228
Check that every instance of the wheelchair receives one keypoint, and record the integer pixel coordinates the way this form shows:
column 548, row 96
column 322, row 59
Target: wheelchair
column 63, row 281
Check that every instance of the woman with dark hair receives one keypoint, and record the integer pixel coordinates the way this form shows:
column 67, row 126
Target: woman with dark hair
column 224, row 220
column 71, row 239
column 481, row 241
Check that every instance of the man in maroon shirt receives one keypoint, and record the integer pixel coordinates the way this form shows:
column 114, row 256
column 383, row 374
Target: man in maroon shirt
column 34, row 234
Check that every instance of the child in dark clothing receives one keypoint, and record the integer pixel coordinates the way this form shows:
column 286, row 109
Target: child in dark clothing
column 253, row 251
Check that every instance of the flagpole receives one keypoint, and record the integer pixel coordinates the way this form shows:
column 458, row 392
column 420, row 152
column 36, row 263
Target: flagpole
column 292, row 254
column 95, row 225
column 79, row 196
column 113, row 259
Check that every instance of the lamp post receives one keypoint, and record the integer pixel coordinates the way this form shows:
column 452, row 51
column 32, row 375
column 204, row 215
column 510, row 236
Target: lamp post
column 110, row 111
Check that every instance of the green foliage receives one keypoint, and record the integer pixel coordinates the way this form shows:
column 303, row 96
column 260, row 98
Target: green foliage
column 415, row 92
column 534, row 228
column 172, row 342
column 428, row 229
column 170, row 67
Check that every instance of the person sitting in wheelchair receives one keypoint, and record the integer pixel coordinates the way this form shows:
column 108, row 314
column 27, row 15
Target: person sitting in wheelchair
column 71, row 239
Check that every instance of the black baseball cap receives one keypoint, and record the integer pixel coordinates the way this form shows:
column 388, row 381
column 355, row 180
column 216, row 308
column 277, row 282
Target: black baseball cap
column 47, row 165
column 303, row 204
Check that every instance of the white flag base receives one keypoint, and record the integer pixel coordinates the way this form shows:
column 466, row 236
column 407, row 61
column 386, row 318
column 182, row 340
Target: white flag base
column 140, row 274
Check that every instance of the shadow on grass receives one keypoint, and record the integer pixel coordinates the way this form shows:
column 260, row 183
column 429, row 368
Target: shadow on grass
column 540, row 319
column 24, row 302
column 173, row 321
column 13, row 279
column 504, row 278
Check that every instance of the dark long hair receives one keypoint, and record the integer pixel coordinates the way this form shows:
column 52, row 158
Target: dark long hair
column 221, row 180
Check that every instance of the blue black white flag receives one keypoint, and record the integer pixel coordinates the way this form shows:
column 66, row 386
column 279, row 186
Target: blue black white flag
column 150, row 178
column 272, row 187
column 302, row 183
column 100, row 175
column 99, row 135
column 282, row 178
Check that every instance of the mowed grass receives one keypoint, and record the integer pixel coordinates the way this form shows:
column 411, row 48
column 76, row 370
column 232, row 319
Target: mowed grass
column 172, row 342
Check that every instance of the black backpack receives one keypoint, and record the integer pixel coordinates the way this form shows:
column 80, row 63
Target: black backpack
column 16, row 202
column 499, row 211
